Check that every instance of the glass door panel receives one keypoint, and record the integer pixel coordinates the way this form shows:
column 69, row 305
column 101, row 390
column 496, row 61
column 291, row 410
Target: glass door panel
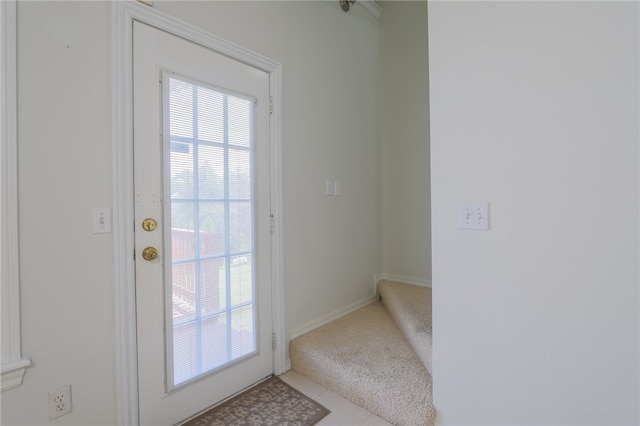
column 210, row 286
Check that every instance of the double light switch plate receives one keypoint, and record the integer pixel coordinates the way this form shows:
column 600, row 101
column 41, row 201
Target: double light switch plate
column 473, row 216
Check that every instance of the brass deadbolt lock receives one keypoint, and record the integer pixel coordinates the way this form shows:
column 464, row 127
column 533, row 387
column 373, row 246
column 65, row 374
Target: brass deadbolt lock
column 149, row 224
column 150, row 253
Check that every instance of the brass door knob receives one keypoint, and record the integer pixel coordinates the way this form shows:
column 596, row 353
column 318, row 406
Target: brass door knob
column 150, row 253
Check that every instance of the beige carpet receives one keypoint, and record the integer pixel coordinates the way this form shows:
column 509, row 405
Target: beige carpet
column 410, row 307
column 365, row 357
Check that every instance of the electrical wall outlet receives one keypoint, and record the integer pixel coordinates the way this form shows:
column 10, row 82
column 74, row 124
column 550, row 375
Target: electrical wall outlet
column 59, row 402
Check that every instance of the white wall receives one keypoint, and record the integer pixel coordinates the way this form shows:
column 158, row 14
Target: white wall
column 330, row 69
column 534, row 109
column 406, row 195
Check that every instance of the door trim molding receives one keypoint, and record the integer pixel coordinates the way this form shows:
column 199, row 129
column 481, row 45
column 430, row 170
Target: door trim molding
column 124, row 13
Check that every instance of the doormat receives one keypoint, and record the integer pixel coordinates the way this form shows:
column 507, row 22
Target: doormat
column 272, row 402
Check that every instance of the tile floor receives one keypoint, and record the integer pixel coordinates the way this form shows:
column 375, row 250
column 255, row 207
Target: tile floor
column 343, row 412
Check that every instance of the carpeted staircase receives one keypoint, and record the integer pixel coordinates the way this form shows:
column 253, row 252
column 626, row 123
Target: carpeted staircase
column 378, row 357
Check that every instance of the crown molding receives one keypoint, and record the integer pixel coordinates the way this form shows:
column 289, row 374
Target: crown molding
column 372, row 7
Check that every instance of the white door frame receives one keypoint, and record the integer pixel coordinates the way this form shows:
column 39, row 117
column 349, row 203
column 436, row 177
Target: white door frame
column 123, row 15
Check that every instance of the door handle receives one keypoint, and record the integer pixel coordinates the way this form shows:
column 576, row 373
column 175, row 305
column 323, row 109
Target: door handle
column 150, row 253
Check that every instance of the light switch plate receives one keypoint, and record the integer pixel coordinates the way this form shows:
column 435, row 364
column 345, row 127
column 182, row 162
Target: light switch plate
column 337, row 188
column 329, row 187
column 473, row 216
column 101, row 220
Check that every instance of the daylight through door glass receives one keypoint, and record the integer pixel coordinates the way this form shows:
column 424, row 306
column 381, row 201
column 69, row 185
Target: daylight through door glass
column 210, row 292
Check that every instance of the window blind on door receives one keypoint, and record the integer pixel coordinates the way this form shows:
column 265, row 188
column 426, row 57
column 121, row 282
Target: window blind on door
column 210, row 279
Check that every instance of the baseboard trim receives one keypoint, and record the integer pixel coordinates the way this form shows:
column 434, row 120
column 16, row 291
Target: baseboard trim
column 403, row 279
column 325, row 319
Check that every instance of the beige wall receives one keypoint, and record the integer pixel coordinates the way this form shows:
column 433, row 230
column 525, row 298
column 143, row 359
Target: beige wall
column 330, row 63
column 534, row 109
column 64, row 151
column 406, row 192
column 330, row 69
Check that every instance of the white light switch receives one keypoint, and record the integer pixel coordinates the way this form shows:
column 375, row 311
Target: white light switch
column 329, row 187
column 337, row 187
column 101, row 220
column 473, row 216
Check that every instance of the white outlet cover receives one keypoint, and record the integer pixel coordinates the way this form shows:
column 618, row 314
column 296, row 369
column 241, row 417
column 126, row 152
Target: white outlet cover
column 473, row 216
column 60, row 402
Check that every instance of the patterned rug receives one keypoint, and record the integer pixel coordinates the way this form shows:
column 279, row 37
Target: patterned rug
column 272, row 402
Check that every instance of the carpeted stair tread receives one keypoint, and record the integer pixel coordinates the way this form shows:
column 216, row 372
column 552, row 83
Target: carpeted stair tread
column 365, row 358
column 410, row 307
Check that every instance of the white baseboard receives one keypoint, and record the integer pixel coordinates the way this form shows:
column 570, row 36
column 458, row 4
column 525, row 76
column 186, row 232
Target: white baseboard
column 402, row 279
column 325, row 319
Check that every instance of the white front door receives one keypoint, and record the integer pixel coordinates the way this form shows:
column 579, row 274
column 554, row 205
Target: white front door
column 202, row 225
